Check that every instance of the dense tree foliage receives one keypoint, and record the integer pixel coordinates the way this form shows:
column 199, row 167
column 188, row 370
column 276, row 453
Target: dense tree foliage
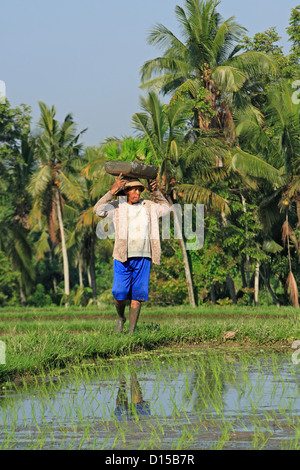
column 220, row 117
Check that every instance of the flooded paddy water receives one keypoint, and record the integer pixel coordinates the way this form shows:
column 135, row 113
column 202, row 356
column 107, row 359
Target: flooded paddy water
column 183, row 398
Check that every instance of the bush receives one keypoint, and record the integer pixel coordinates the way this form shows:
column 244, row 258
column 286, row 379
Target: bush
column 39, row 298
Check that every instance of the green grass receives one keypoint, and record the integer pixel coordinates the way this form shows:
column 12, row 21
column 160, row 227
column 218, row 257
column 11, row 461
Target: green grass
column 182, row 310
column 41, row 339
column 46, row 347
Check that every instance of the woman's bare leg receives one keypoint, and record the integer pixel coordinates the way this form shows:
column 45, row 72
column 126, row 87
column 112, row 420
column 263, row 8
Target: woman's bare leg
column 135, row 308
column 120, row 307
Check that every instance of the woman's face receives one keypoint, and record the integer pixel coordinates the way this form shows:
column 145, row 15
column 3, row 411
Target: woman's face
column 133, row 194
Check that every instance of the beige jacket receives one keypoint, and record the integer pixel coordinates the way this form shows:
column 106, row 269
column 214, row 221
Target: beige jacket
column 117, row 211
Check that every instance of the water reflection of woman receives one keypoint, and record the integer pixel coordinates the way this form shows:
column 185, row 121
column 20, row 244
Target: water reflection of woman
column 137, row 406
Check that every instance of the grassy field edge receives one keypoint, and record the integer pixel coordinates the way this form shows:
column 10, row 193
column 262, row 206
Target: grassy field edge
column 36, row 341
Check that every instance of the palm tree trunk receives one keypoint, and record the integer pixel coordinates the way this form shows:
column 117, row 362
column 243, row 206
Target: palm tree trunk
column 186, row 265
column 291, row 285
column 256, row 284
column 213, row 297
column 247, row 256
column 231, row 288
column 88, row 271
column 298, row 212
column 187, row 273
column 92, row 268
column 53, row 277
column 80, row 269
column 63, row 248
column 23, row 296
column 242, row 266
column 267, row 284
column 54, row 282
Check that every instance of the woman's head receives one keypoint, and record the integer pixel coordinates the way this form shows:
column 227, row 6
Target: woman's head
column 133, row 190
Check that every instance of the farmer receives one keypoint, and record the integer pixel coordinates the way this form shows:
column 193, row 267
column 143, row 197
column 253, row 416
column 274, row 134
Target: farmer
column 137, row 242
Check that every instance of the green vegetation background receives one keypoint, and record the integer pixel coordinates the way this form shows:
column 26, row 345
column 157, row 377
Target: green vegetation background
column 228, row 138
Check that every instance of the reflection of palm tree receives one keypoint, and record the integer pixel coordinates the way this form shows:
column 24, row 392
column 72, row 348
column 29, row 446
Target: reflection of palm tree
column 137, row 406
column 208, row 384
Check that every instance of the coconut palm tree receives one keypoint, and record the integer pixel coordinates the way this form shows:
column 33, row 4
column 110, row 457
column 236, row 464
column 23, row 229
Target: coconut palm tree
column 205, row 59
column 178, row 157
column 276, row 138
column 164, row 128
column 15, row 243
column 87, row 219
column 16, row 171
column 55, row 181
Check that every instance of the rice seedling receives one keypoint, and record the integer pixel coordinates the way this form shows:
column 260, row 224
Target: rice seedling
column 223, row 396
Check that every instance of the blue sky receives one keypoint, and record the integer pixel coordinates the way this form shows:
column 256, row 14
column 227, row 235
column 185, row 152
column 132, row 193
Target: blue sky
column 84, row 56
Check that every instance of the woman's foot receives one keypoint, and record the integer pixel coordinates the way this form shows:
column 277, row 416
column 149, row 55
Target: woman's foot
column 120, row 324
column 120, row 307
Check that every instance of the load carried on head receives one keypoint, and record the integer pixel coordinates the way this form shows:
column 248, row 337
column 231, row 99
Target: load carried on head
column 131, row 169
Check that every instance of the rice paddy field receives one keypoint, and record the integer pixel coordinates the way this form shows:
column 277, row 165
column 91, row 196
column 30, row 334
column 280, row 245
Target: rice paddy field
column 208, row 378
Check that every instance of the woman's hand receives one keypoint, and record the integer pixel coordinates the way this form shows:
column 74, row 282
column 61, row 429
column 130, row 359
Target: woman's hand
column 118, row 184
column 153, row 186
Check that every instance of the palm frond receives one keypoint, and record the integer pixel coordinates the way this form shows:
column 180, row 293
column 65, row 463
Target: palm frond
column 270, row 246
column 87, row 218
column 39, row 181
column 163, row 64
column 42, row 245
column 250, row 165
column 186, row 27
column 227, row 35
column 228, row 78
column 71, row 189
column 191, row 86
column 140, row 123
column 254, row 63
column 294, row 188
column 288, row 233
column 163, row 82
column 100, row 186
column 47, row 121
column 268, row 211
column 193, row 193
column 20, row 254
column 163, row 37
column 205, row 150
column 292, row 289
column 35, row 217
